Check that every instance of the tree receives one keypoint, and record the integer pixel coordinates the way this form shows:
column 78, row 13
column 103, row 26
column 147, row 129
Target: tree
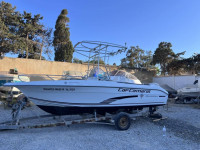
column 62, row 45
column 147, row 59
column 78, row 61
column 169, row 62
column 35, row 37
column 124, row 63
column 178, row 65
column 44, row 40
column 30, row 29
column 32, row 56
column 175, row 67
column 137, row 58
column 163, row 56
column 3, row 38
column 22, row 34
column 96, row 61
column 192, row 64
column 9, row 23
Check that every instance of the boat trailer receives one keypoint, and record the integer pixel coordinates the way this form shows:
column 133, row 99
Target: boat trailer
column 120, row 120
column 12, row 126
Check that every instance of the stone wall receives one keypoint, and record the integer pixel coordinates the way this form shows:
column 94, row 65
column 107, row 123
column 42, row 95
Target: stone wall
column 32, row 66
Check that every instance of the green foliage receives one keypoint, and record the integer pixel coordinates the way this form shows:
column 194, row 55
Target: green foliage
column 22, row 34
column 175, row 67
column 157, row 70
column 29, row 31
column 8, row 26
column 46, row 42
column 147, row 59
column 170, row 63
column 163, row 56
column 96, row 62
column 62, row 45
column 77, row 61
column 191, row 64
column 195, row 63
column 124, row 63
column 137, row 58
column 32, row 56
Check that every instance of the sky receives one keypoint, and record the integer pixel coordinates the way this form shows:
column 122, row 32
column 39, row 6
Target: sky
column 143, row 23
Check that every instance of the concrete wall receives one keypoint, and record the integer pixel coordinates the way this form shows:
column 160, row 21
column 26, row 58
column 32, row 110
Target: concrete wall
column 32, row 66
column 176, row 82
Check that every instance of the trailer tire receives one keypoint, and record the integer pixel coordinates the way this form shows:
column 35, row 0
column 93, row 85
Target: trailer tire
column 122, row 121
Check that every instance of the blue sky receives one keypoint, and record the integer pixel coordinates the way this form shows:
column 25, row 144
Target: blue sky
column 145, row 23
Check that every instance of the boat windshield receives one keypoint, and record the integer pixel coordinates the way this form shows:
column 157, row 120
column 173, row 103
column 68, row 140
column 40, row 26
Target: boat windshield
column 123, row 76
column 75, row 75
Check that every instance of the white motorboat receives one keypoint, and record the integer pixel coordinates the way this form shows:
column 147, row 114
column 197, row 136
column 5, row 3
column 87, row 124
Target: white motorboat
column 7, row 91
column 191, row 90
column 97, row 91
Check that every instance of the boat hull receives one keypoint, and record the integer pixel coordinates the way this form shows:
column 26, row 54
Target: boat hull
column 76, row 97
column 56, row 110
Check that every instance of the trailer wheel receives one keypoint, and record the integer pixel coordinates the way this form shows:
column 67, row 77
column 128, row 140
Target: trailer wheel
column 122, row 121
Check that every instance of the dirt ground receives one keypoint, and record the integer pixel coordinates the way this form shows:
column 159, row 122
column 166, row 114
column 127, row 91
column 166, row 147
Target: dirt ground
column 182, row 123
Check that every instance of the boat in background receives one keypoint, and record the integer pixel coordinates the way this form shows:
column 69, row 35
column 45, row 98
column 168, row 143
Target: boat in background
column 190, row 91
column 98, row 91
column 7, row 91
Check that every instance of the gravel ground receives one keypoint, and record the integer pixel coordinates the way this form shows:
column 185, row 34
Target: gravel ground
column 182, row 124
